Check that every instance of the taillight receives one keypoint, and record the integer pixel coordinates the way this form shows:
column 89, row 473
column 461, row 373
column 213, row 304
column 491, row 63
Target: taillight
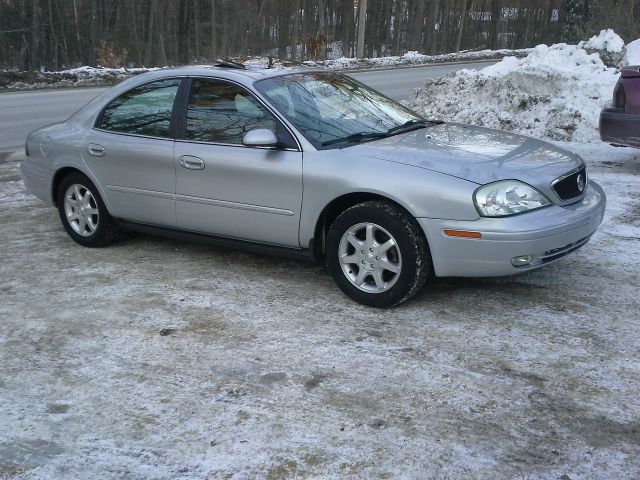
column 618, row 96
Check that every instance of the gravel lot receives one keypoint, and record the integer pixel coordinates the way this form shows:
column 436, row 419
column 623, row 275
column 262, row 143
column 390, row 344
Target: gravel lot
column 157, row 359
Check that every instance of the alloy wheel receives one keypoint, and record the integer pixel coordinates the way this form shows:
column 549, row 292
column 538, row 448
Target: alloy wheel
column 370, row 258
column 81, row 210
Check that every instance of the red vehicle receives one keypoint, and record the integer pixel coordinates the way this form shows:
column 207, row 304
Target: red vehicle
column 620, row 118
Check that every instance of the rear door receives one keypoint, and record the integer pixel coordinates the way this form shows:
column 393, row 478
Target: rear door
column 130, row 152
column 228, row 189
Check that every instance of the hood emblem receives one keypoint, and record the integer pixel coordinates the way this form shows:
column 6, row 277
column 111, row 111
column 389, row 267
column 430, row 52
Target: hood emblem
column 580, row 182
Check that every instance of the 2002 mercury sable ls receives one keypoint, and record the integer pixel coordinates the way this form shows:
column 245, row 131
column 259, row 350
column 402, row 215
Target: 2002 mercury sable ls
column 312, row 164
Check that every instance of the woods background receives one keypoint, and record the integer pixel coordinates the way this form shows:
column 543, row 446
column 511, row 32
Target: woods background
column 53, row 34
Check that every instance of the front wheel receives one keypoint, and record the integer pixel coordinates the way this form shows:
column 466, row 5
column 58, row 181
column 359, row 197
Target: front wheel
column 377, row 254
column 83, row 213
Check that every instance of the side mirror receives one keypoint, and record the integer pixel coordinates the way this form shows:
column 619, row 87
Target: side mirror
column 260, row 137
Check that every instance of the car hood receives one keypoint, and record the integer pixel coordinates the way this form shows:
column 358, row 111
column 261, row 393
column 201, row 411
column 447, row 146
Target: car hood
column 477, row 154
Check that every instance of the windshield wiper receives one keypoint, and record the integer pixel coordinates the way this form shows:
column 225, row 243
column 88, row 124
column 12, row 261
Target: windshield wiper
column 413, row 125
column 356, row 138
column 408, row 126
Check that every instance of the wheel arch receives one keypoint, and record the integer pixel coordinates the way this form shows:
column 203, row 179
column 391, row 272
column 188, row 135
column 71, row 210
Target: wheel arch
column 335, row 207
column 57, row 179
column 62, row 172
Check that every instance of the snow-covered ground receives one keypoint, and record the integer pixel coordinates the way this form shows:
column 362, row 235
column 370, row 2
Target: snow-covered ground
column 555, row 92
column 157, row 359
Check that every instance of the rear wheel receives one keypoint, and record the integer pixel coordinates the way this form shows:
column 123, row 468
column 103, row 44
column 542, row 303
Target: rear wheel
column 83, row 213
column 377, row 254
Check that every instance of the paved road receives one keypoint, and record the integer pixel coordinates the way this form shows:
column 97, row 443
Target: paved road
column 23, row 112
column 399, row 83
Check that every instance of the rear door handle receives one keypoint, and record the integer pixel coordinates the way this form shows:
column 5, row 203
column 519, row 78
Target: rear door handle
column 96, row 150
column 191, row 162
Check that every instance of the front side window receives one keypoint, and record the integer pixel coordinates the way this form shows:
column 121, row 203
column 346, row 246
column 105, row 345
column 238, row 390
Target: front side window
column 144, row 110
column 222, row 112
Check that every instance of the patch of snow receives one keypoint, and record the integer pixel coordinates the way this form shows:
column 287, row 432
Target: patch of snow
column 608, row 45
column 606, row 40
column 555, row 92
column 632, row 56
column 534, row 376
column 14, row 194
column 412, row 58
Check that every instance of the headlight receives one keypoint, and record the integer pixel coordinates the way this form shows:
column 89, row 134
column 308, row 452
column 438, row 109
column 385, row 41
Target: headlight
column 508, row 197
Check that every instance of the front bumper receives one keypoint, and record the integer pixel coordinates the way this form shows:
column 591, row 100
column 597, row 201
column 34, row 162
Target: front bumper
column 546, row 234
column 619, row 128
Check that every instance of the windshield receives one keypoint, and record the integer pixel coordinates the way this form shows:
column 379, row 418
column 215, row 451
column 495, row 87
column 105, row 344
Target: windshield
column 332, row 110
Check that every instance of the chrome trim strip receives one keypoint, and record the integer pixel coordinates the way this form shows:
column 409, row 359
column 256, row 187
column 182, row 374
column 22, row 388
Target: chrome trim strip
column 140, row 191
column 201, row 142
column 113, row 132
column 239, row 206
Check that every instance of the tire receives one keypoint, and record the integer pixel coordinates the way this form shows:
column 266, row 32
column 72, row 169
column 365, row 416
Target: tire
column 83, row 213
column 377, row 254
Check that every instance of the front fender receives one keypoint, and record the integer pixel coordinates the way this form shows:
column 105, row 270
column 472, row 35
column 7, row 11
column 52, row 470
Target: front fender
column 330, row 174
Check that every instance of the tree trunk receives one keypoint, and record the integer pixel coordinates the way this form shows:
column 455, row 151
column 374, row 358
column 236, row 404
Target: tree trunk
column 196, row 27
column 35, row 20
column 183, row 46
column 151, row 33
column 435, row 26
column 347, row 26
column 463, row 19
column 293, row 36
column 362, row 19
column 213, row 48
column 93, row 25
column 496, row 9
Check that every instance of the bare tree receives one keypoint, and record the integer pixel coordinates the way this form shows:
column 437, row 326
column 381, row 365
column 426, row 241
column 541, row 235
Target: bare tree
column 66, row 33
column 362, row 20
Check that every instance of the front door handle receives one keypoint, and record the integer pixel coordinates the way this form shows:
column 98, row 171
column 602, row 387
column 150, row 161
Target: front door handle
column 191, row 162
column 96, row 150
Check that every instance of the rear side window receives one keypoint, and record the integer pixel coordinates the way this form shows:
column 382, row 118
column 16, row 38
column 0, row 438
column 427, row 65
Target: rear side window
column 144, row 110
column 222, row 112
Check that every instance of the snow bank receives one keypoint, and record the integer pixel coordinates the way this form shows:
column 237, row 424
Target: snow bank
column 608, row 45
column 75, row 77
column 607, row 40
column 413, row 58
column 632, row 56
column 555, row 92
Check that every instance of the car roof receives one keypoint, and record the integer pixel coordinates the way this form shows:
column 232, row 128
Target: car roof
column 253, row 73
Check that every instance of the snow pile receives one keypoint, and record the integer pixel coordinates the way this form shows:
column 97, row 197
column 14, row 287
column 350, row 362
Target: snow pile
column 413, row 58
column 75, row 77
column 607, row 40
column 555, row 92
column 263, row 62
column 608, row 44
column 632, row 56
column 99, row 76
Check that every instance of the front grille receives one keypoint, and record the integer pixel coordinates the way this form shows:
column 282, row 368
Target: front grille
column 572, row 185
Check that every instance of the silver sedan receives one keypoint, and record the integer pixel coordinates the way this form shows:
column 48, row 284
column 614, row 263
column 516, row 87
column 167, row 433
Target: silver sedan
column 314, row 165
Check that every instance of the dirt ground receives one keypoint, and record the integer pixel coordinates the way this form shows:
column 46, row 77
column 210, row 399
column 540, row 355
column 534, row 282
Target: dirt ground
column 158, row 359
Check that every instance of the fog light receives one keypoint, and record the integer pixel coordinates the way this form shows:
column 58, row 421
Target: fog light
column 522, row 260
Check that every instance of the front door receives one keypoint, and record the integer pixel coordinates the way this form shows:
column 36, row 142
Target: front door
column 228, row 189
